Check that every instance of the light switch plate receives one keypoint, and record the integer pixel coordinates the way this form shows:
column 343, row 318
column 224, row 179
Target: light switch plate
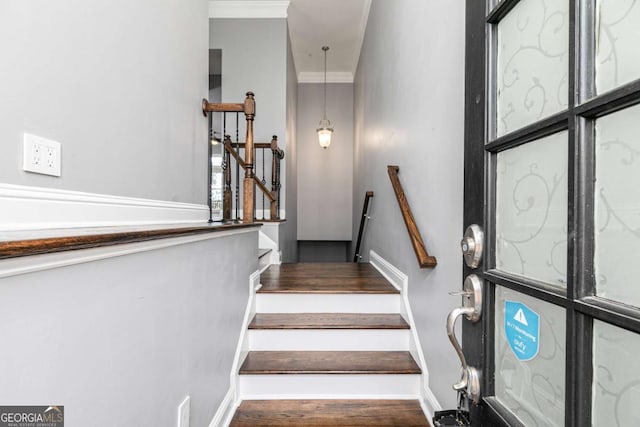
column 41, row 155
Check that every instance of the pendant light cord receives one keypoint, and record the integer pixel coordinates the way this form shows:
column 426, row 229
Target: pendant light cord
column 325, row 49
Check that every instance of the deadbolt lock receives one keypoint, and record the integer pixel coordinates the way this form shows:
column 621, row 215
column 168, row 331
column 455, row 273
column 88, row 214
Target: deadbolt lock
column 472, row 245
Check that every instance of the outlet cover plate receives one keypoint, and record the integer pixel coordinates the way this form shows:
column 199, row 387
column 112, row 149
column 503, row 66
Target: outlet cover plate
column 184, row 412
column 41, row 155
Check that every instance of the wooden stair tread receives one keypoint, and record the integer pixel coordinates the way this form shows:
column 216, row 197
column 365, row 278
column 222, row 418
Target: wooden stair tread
column 262, row 252
column 329, row 278
column 264, row 413
column 329, row 362
column 327, row 321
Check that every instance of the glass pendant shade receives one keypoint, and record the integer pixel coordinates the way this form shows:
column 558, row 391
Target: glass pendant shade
column 324, row 133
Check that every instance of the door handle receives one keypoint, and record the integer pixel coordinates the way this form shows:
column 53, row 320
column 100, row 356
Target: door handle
column 451, row 333
column 472, row 310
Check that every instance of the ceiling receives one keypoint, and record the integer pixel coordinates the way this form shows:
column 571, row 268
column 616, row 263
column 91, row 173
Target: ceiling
column 339, row 24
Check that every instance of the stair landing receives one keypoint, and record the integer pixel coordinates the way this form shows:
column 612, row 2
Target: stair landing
column 318, row 413
column 325, row 278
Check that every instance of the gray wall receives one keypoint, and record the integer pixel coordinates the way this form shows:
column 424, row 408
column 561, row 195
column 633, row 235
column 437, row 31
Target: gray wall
column 289, row 229
column 325, row 177
column 409, row 92
column 119, row 88
column 323, row 251
column 256, row 57
column 122, row 341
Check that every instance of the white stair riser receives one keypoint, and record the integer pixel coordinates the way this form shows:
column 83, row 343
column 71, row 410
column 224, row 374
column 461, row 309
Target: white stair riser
column 328, row 303
column 329, row 339
column 337, row 386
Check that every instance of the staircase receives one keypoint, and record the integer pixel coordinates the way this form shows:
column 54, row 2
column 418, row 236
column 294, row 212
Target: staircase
column 328, row 347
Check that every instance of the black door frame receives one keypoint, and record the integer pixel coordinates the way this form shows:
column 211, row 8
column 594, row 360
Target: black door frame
column 480, row 149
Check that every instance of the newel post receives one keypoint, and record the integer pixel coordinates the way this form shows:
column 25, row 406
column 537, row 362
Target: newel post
column 248, row 199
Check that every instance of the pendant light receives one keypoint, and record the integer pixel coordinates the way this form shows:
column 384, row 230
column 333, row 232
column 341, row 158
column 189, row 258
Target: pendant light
column 325, row 130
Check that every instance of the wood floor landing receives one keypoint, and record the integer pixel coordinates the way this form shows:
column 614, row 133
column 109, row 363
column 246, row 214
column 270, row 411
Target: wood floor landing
column 329, row 362
column 330, row 278
column 325, row 413
column 327, row 321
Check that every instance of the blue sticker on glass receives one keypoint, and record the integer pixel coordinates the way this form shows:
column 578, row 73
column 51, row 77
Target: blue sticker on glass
column 522, row 327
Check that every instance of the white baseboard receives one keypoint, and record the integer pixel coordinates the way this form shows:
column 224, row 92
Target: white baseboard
column 34, row 208
column 401, row 282
column 225, row 411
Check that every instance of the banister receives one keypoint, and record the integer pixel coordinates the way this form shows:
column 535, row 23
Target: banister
column 424, row 259
column 365, row 215
column 228, row 145
column 247, row 190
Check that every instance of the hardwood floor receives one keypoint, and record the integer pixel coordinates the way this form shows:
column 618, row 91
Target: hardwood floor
column 318, row 413
column 327, row 321
column 329, row 278
column 329, row 362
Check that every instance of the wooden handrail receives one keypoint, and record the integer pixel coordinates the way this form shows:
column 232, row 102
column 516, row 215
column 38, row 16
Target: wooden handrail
column 424, row 259
column 365, row 209
column 221, row 107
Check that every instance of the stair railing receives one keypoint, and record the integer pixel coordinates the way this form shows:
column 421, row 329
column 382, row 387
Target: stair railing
column 363, row 220
column 424, row 259
column 242, row 155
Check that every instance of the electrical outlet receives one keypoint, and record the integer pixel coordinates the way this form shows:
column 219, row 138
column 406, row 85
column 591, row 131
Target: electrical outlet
column 184, row 411
column 41, row 155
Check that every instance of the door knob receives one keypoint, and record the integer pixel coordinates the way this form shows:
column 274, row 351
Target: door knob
column 472, row 245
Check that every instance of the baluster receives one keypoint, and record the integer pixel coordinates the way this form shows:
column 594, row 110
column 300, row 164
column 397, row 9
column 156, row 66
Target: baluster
column 237, row 147
column 275, row 205
column 264, row 182
column 227, row 195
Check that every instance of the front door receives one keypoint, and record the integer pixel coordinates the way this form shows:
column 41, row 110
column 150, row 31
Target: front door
column 552, row 177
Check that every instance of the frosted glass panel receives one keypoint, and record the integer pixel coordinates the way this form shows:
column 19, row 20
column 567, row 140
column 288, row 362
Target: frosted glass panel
column 531, row 210
column 616, row 376
column 533, row 63
column 618, row 32
column 617, row 199
column 533, row 389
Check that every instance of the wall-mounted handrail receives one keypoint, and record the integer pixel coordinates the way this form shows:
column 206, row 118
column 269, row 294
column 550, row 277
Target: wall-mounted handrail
column 424, row 259
column 363, row 219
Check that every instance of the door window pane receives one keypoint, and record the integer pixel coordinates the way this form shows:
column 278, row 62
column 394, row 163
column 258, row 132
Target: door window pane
column 531, row 210
column 616, row 376
column 618, row 32
column 617, row 201
column 533, row 61
column 532, row 389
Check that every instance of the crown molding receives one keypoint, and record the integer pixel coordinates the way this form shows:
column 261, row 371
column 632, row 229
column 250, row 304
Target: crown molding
column 332, row 77
column 364, row 19
column 248, row 8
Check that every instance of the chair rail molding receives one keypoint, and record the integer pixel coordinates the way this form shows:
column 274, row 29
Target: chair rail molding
column 34, row 208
